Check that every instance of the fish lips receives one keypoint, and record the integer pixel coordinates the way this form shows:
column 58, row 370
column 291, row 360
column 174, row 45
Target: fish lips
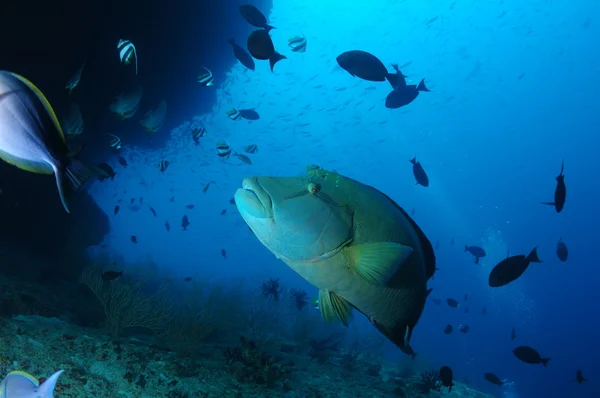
column 253, row 200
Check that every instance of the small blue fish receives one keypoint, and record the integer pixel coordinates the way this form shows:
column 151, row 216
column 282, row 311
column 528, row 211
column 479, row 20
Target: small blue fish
column 18, row 384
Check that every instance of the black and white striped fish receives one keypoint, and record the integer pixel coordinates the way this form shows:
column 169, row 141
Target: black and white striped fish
column 206, row 78
column 252, row 148
column 297, row 44
column 234, row 114
column 115, row 142
column 127, row 53
column 223, row 149
column 198, row 133
column 163, row 165
column 74, row 81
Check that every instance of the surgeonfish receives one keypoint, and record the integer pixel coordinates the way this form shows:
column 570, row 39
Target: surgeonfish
column 206, row 78
column 365, row 66
column 351, row 241
column 560, row 192
column 115, row 142
column 297, row 44
column 73, row 121
column 260, row 46
column 223, row 149
column 128, row 103
column 74, row 81
column 18, row 384
column 127, row 53
column 32, row 139
column 242, row 55
column 255, row 17
column 155, row 118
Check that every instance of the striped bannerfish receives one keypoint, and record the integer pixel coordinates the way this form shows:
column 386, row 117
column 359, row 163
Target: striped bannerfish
column 115, row 142
column 198, row 133
column 127, row 53
column 297, row 44
column 206, row 78
column 234, row 114
column 223, row 149
column 252, row 148
column 163, row 165
column 74, row 81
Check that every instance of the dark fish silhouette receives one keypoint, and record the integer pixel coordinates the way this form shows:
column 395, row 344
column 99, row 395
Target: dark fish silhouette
column 116, row 210
column 261, row 47
column 484, row 311
column 419, row 173
column 232, row 201
column 223, row 212
column 448, row 329
column 403, row 94
column 109, row 171
column 111, row 275
column 224, row 254
column 511, row 268
column 560, row 193
column 185, row 222
column 452, row 303
column 513, row 334
column 492, row 378
column 167, row 226
column 134, row 239
column 561, row 250
column 255, row 17
column 366, row 66
column 188, row 279
column 476, row 251
column 408, row 350
column 206, row 187
column 579, row 377
column 529, row 355
column 152, row 210
column 189, row 206
column 249, row 114
column 242, row 55
column 446, row 377
column 122, row 161
column 464, row 328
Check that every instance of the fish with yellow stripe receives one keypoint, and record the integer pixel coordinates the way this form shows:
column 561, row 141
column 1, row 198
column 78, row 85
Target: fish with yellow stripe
column 32, row 139
column 19, row 384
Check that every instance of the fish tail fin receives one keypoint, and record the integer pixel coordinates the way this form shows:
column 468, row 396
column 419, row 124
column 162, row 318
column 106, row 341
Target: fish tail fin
column 275, row 58
column 545, row 361
column 533, row 256
column 112, row 178
column 46, row 389
column 392, row 78
column 268, row 28
column 422, row 86
column 72, row 177
column 414, row 160
column 548, row 203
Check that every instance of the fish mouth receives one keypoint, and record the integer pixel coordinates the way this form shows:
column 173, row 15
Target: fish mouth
column 253, row 199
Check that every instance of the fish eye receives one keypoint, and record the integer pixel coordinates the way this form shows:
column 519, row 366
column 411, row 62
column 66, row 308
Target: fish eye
column 313, row 188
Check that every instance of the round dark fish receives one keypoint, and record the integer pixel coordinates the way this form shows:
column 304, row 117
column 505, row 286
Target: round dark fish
column 242, row 55
column 365, row 66
column 108, row 170
column 249, row 114
column 561, row 250
column 419, row 173
column 185, row 222
column 448, row 329
column 529, row 355
column 492, row 378
column 476, row 251
column 560, row 193
column 261, row 47
column 511, row 268
column 255, row 17
column 452, row 303
column 446, row 377
column 404, row 95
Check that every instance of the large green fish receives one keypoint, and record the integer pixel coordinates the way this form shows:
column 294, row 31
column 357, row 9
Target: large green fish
column 351, row 241
column 32, row 139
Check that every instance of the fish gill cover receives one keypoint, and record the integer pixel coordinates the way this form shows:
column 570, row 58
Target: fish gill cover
column 512, row 94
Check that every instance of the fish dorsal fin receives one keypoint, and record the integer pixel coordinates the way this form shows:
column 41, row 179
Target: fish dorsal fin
column 377, row 262
column 46, row 389
column 334, row 307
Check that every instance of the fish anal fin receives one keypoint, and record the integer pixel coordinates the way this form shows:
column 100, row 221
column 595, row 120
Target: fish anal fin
column 377, row 262
column 334, row 307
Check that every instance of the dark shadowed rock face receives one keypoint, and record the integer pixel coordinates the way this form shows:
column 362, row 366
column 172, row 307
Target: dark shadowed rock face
column 33, row 221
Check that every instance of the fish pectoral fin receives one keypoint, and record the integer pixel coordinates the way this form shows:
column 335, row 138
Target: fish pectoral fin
column 334, row 307
column 377, row 262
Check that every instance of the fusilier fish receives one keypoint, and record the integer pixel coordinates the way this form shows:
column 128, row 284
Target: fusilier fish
column 351, row 241
column 32, row 139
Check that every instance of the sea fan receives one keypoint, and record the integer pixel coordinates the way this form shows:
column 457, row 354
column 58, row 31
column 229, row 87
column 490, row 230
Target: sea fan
column 299, row 298
column 271, row 289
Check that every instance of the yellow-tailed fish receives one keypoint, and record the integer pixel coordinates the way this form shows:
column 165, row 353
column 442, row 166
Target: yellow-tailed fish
column 18, row 384
column 32, row 139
